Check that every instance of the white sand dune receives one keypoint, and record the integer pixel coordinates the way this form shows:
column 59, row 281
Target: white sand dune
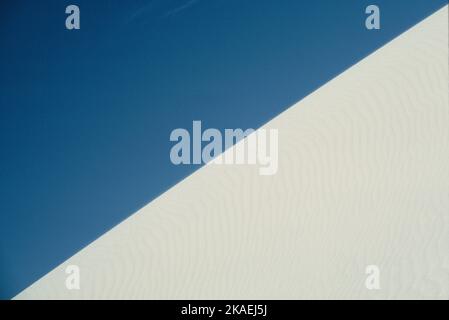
column 363, row 180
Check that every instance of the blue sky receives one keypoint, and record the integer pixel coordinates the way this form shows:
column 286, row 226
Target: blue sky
column 86, row 115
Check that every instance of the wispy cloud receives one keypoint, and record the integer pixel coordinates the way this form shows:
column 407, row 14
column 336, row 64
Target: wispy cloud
column 148, row 7
column 159, row 10
column 180, row 8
